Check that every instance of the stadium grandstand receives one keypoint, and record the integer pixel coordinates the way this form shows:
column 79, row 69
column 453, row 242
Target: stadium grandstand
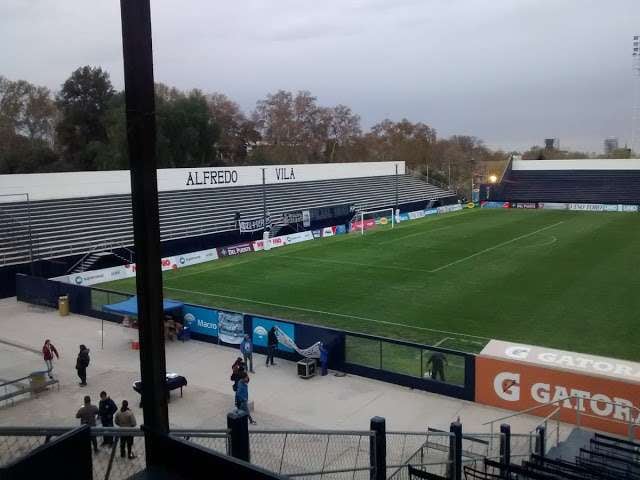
column 81, row 219
column 603, row 181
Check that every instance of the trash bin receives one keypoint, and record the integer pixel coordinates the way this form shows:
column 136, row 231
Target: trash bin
column 37, row 381
column 63, row 305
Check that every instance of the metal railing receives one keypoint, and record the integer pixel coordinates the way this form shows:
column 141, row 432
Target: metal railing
column 302, row 453
column 108, row 463
column 428, row 451
column 630, row 411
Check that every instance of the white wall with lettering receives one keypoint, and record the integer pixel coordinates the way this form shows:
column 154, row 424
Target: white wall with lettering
column 47, row 186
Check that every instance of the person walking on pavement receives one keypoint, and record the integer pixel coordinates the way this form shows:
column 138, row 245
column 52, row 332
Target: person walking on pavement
column 126, row 418
column 48, row 351
column 242, row 397
column 82, row 363
column 437, row 361
column 246, row 347
column 238, row 370
column 106, row 409
column 272, row 345
column 87, row 415
column 324, row 359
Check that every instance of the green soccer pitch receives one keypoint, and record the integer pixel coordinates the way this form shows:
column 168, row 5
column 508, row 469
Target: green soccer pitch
column 562, row 279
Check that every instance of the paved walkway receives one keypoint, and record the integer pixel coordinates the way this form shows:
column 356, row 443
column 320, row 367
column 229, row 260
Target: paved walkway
column 281, row 398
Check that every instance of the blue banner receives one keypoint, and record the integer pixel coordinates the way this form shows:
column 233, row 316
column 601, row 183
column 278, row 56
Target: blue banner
column 201, row 320
column 431, row 211
column 340, row 229
column 261, row 327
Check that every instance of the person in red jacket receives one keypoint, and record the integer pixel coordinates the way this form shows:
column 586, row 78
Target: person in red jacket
column 48, row 351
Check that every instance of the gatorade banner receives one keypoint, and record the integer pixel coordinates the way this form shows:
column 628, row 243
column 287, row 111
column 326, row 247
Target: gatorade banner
column 596, row 392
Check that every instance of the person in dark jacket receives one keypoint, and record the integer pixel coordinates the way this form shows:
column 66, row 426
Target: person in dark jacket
column 437, row 361
column 106, row 409
column 87, row 415
column 272, row 345
column 126, row 419
column 82, row 363
column 238, row 370
column 48, row 351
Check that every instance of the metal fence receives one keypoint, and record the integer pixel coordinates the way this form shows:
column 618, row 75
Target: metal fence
column 108, row 464
column 326, row 454
column 429, row 451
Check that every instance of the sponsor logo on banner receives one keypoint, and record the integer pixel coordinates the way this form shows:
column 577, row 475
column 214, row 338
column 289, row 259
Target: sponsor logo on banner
column 518, row 377
column 471, row 205
column 593, row 207
column 274, row 242
column 341, row 229
column 417, row 214
column 382, row 221
column 93, row 277
column 201, row 320
column 230, row 327
column 261, row 327
column 524, row 205
column 495, row 204
column 358, row 225
column 404, row 217
column 431, row 211
column 317, row 233
column 449, row 208
column 306, row 218
column 299, row 237
column 236, row 249
column 195, row 258
column 627, row 208
column 553, row 206
column 329, row 231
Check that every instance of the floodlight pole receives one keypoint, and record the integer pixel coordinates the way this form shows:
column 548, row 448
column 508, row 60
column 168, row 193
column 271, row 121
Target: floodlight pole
column 141, row 137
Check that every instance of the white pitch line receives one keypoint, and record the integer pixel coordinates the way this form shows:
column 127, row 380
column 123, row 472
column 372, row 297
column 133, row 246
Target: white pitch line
column 311, row 310
column 440, row 342
column 494, row 247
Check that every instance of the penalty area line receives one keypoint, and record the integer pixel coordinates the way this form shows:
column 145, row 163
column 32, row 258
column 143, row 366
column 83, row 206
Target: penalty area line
column 322, row 312
column 494, row 247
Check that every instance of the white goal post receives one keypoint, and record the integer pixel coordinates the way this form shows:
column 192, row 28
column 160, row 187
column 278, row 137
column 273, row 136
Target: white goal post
column 371, row 212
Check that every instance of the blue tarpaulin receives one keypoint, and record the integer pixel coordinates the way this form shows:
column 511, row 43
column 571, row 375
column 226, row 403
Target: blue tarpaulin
column 130, row 306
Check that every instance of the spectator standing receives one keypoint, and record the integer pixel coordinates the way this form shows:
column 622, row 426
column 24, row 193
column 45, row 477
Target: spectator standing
column 126, row 419
column 106, row 409
column 238, row 370
column 324, row 359
column 242, row 397
column 437, row 361
column 272, row 345
column 87, row 415
column 48, row 351
column 82, row 363
column 246, row 347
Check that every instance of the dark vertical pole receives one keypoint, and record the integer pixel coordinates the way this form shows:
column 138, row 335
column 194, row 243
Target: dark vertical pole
column 141, row 136
column 505, row 447
column 541, row 440
column 264, row 200
column 378, row 449
column 238, row 425
column 455, row 451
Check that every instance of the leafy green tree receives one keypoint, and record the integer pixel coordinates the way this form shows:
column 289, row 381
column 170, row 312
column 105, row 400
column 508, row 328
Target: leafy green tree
column 83, row 102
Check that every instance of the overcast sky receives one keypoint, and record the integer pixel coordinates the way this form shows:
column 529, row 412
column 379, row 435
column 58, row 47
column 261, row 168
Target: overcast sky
column 511, row 72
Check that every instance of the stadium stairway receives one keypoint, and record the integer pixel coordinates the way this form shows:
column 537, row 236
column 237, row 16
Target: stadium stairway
column 570, row 447
column 76, row 226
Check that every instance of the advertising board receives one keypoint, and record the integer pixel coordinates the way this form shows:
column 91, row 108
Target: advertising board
column 358, row 225
column 274, row 242
column 93, row 277
column 524, row 205
column 196, row 257
column 203, row 321
column 261, row 326
column 495, row 205
column 417, row 214
column 449, row 208
column 236, row 249
column 431, row 211
column 627, row 208
column 552, row 206
column 328, row 231
column 230, row 327
column 341, row 229
column 518, row 377
column 299, row 237
column 593, row 207
column 317, row 233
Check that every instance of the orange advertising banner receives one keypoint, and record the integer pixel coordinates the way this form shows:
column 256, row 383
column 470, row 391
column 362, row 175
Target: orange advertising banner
column 593, row 401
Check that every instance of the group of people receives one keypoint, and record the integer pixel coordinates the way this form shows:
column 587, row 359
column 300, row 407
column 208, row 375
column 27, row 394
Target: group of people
column 82, row 361
column 109, row 413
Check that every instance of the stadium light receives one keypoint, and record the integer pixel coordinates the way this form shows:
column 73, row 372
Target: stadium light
column 493, row 178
